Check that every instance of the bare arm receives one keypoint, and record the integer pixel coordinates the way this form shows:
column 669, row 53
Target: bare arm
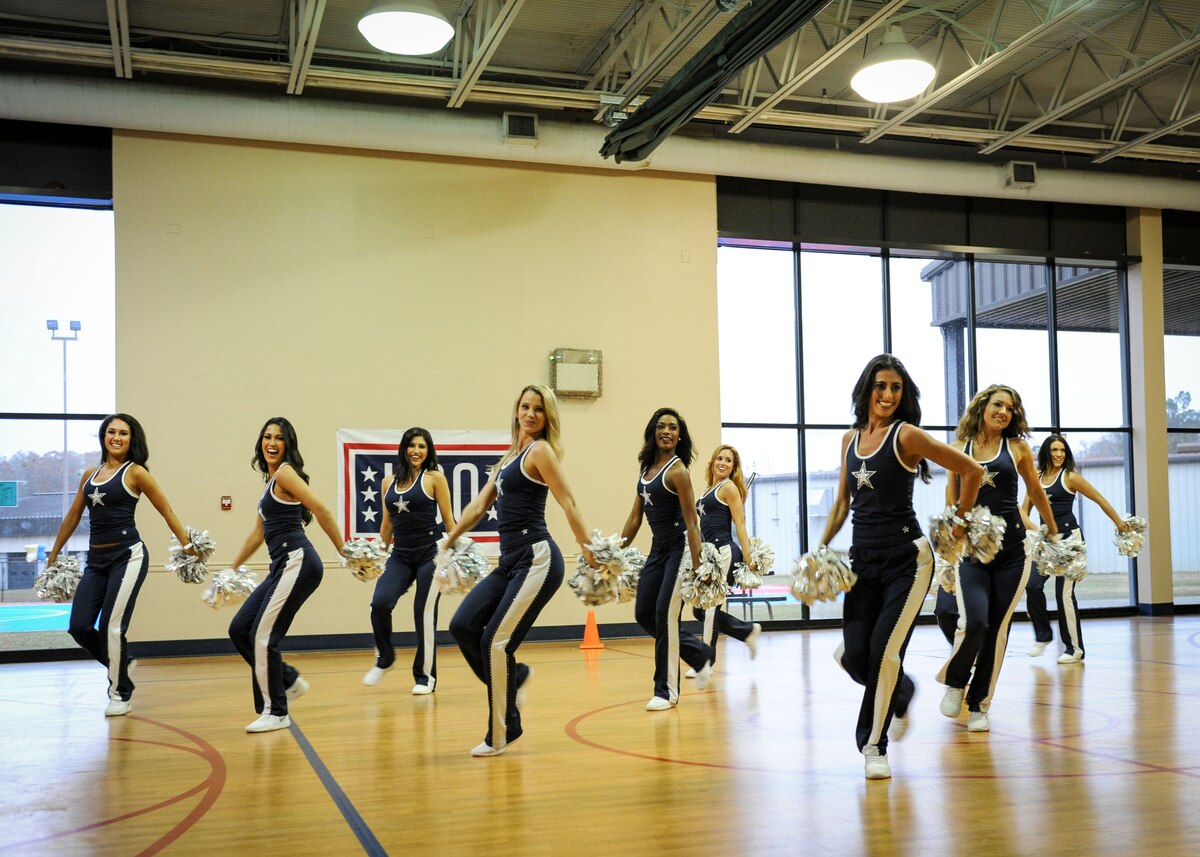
column 1026, row 508
column 966, row 472
column 287, row 479
column 71, row 521
column 441, row 495
column 1081, row 486
column 252, row 543
column 680, row 481
column 475, row 510
column 841, row 504
column 385, row 523
column 148, row 485
column 546, row 468
column 1023, row 458
column 733, row 499
column 634, row 522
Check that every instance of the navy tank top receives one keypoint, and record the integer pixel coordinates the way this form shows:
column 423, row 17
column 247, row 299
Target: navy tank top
column 881, row 493
column 520, row 504
column 283, row 524
column 1062, row 504
column 111, row 506
column 661, row 505
column 716, row 521
column 414, row 515
column 998, row 491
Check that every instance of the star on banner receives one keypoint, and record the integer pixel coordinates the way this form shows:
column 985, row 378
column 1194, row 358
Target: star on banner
column 369, row 514
column 369, row 474
column 491, row 515
column 864, row 476
column 368, row 495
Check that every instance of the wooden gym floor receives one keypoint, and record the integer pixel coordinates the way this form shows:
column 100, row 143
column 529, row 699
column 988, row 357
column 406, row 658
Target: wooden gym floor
column 1099, row 758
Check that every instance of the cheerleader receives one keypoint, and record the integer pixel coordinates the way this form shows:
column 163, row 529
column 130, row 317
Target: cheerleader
column 495, row 616
column 117, row 561
column 883, row 453
column 664, row 496
column 721, row 509
column 286, row 507
column 1061, row 481
column 412, row 497
column 991, row 432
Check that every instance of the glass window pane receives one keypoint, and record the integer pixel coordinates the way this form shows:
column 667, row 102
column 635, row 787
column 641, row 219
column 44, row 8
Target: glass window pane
column 929, row 324
column 1012, row 335
column 822, row 457
column 33, row 471
column 841, row 310
column 1091, row 366
column 1182, row 347
column 57, row 264
column 772, row 509
column 756, row 323
column 1183, row 476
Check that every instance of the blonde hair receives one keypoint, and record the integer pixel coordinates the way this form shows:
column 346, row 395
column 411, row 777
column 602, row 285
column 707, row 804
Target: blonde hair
column 735, row 475
column 552, row 433
column 971, row 424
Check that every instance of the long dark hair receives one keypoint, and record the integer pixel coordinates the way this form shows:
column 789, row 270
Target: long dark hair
column 402, row 469
column 291, row 455
column 685, row 449
column 909, row 409
column 139, row 450
column 1044, row 461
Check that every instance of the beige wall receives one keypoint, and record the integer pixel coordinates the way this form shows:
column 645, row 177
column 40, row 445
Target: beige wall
column 343, row 289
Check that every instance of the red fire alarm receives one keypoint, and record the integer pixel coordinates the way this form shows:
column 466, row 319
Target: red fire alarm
column 226, row 503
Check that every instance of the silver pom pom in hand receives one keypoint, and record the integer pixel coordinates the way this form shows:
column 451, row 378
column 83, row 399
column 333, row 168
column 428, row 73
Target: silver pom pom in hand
column 762, row 557
column 947, row 546
column 1131, row 542
column 458, row 569
column 822, row 575
column 705, row 587
column 231, row 586
column 1062, row 558
column 985, row 534
column 188, row 568
column 617, row 577
column 365, row 558
column 944, row 574
column 58, row 580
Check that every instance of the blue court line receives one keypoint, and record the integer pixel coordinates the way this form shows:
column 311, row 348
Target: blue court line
column 365, row 837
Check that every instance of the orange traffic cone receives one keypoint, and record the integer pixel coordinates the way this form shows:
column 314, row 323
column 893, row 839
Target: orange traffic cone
column 591, row 633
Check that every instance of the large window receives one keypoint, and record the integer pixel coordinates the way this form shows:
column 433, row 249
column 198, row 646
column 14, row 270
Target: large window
column 1182, row 352
column 57, row 343
column 959, row 322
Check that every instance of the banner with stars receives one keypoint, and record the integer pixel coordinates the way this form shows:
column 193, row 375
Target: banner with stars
column 365, row 458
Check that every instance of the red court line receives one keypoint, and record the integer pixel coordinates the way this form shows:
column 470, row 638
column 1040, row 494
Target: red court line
column 213, row 784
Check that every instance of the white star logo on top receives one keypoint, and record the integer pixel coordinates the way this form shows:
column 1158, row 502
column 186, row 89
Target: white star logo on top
column 864, row 476
column 646, row 499
column 369, row 474
column 499, row 487
column 401, row 506
column 700, row 510
column 989, row 477
column 96, row 497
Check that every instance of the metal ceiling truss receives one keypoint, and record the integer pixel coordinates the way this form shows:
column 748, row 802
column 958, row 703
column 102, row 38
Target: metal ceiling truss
column 304, row 23
column 480, row 29
column 118, row 31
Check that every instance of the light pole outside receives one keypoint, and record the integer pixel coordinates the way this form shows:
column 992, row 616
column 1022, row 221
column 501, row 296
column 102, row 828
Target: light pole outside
column 52, row 326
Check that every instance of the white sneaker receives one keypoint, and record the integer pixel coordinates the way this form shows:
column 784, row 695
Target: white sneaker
column 424, row 689
column 1036, row 649
column 899, row 728
column 691, row 673
column 952, row 701
column 375, row 675
column 752, row 640
column 1070, row 657
column 486, row 749
column 704, row 676
column 977, row 721
column 269, row 723
column 118, row 707
column 657, row 703
column 298, row 689
column 876, row 764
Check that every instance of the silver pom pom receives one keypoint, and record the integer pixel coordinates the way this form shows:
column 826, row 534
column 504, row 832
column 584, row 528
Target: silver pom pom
column 985, row 534
column 1131, row 542
column 365, row 557
column 945, row 544
column 762, row 556
column 745, row 579
column 822, row 575
column 457, row 570
column 944, row 574
column 706, row 586
column 231, row 586
column 58, row 580
column 616, row 578
column 191, row 569
column 1065, row 557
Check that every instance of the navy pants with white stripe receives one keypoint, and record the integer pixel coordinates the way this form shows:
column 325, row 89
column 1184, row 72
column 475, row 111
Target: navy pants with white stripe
column 403, row 568
column 106, row 594
column 492, row 622
column 718, row 620
column 1068, row 611
column 877, row 622
column 987, row 596
column 658, row 610
column 264, row 619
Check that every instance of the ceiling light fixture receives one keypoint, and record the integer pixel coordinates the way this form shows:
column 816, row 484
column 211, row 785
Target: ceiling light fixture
column 894, row 71
column 411, row 27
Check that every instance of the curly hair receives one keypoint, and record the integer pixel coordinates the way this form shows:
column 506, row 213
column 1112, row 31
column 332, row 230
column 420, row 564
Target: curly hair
column 971, row 424
column 684, row 449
